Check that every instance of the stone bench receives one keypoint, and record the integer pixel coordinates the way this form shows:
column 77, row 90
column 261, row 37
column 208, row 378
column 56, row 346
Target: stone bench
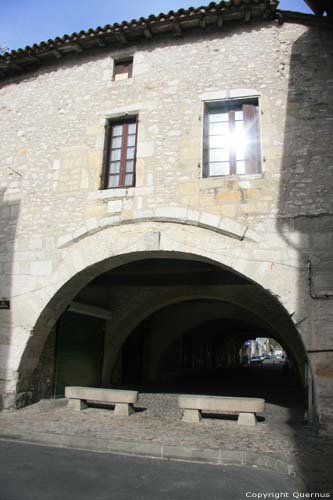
column 246, row 407
column 123, row 400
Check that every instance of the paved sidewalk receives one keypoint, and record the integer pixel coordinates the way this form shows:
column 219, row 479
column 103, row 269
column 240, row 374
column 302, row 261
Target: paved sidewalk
column 279, row 442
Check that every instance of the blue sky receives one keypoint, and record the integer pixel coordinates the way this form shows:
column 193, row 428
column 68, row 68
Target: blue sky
column 24, row 22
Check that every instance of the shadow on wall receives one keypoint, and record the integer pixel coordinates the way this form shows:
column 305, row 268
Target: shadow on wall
column 9, row 210
column 305, row 222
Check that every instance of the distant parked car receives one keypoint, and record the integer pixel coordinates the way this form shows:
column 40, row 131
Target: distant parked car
column 256, row 360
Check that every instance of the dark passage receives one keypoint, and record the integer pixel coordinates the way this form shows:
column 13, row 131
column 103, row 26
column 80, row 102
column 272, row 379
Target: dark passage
column 79, row 352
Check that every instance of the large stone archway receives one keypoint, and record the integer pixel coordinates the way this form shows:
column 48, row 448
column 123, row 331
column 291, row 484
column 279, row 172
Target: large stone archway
column 74, row 265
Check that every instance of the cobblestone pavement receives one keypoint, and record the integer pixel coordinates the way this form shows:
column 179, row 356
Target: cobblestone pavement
column 158, row 420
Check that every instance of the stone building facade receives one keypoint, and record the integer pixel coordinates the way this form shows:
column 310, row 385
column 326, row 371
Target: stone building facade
column 272, row 228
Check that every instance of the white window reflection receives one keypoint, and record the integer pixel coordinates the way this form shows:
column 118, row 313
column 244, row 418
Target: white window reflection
column 132, row 128
column 117, row 130
column 219, row 168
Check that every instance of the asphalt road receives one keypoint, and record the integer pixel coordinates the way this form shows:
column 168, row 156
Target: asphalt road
column 30, row 472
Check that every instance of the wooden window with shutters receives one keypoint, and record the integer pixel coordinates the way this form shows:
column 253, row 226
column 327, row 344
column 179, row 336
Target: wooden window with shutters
column 231, row 138
column 119, row 154
column 122, row 70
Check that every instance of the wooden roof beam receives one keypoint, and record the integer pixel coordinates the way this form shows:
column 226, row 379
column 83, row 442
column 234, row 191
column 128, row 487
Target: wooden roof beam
column 247, row 15
column 15, row 65
column 100, row 42
column 120, row 36
column 148, row 34
column 265, row 14
column 34, row 58
column 56, row 53
column 77, row 47
column 176, row 28
column 202, row 22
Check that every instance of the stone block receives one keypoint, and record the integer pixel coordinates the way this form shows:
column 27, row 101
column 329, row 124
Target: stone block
column 91, row 224
column 229, row 196
column 63, row 240
column 103, row 395
column 115, row 206
column 209, row 219
column 221, row 403
column 127, row 215
column 145, row 149
column 172, row 212
column 109, row 221
column 191, row 188
column 79, row 232
column 192, row 416
column 244, row 93
column 247, row 419
column 152, row 241
column 123, row 410
column 77, row 404
column 232, row 227
column 288, row 36
column 227, row 210
column 95, row 159
column 41, row 268
column 193, row 215
column 324, row 369
column 35, row 244
column 252, row 193
column 150, row 179
column 214, row 95
column 249, row 208
column 95, row 210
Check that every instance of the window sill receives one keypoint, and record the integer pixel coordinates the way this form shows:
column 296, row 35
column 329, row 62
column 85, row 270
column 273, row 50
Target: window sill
column 234, row 177
column 106, row 194
column 126, row 81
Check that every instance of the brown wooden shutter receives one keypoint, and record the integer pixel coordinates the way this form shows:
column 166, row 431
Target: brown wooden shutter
column 206, row 144
column 232, row 152
column 252, row 156
column 106, row 156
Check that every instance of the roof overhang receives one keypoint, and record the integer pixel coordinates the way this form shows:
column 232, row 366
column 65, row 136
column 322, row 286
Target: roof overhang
column 173, row 24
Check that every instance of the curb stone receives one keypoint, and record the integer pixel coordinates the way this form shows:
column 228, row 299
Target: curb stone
column 216, row 456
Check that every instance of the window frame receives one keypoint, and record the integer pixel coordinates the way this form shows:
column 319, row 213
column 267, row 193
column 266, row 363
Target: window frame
column 123, row 62
column 230, row 105
column 109, row 126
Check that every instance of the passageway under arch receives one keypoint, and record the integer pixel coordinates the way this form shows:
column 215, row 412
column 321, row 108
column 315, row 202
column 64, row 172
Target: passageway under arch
column 170, row 323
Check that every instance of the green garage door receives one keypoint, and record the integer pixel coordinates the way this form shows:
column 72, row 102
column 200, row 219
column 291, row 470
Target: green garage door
column 79, row 352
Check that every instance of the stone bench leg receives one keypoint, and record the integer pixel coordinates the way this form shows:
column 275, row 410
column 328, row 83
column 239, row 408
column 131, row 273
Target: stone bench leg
column 77, row 404
column 192, row 416
column 247, row 419
column 123, row 410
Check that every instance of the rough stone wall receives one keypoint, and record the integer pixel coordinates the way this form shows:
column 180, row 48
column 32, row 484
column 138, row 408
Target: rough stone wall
column 52, row 135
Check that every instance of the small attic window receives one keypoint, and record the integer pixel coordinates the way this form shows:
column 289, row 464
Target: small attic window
column 123, row 69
